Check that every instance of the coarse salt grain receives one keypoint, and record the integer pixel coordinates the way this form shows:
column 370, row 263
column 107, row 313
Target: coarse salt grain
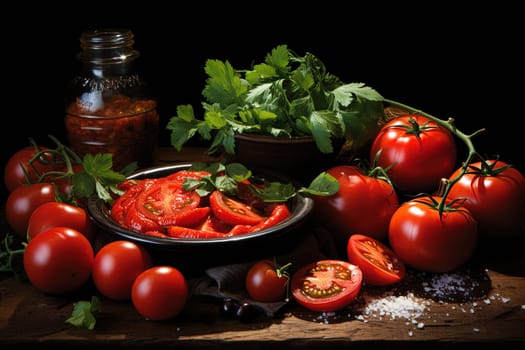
column 449, row 285
column 406, row 307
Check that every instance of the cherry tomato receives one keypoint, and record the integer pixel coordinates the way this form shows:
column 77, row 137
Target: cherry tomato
column 117, row 265
column 232, row 211
column 58, row 260
column 159, row 293
column 53, row 214
column 428, row 241
column 495, row 198
column 267, row 281
column 363, row 204
column 379, row 264
column 23, row 201
column 18, row 166
column 419, row 151
column 326, row 285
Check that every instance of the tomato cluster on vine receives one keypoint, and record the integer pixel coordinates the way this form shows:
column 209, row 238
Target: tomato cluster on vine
column 447, row 208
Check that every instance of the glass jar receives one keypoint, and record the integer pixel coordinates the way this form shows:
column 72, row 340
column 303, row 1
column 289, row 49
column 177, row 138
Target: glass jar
column 108, row 107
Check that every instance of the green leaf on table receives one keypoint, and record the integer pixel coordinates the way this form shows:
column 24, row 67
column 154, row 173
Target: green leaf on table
column 83, row 314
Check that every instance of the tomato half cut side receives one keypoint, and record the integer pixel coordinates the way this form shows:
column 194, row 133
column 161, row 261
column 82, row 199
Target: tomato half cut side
column 326, row 285
column 165, row 199
column 379, row 264
column 232, row 211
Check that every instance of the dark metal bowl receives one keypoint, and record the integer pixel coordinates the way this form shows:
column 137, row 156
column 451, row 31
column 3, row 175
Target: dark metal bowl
column 196, row 254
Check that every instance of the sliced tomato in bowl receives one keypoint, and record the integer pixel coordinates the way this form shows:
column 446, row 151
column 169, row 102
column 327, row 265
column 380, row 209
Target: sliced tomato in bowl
column 380, row 265
column 232, row 211
column 326, row 285
column 166, row 199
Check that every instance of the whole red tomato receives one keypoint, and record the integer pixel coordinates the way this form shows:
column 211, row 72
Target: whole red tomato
column 494, row 193
column 18, row 167
column 34, row 164
column 117, row 265
column 23, row 201
column 58, row 260
column 53, row 214
column 363, row 204
column 428, row 241
column 380, row 265
column 159, row 293
column 267, row 281
column 419, row 151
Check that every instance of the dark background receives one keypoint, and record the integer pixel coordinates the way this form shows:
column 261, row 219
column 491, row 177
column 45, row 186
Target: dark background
column 465, row 64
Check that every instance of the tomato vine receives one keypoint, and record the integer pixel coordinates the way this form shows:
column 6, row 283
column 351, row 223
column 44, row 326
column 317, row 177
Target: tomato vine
column 466, row 138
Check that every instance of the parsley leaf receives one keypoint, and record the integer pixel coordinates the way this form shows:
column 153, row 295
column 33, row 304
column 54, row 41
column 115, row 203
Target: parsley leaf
column 98, row 177
column 83, row 313
column 286, row 95
column 225, row 178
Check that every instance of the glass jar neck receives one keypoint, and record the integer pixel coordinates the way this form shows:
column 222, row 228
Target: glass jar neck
column 107, row 47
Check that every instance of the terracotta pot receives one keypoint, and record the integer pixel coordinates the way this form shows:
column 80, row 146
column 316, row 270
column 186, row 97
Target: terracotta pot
column 297, row 157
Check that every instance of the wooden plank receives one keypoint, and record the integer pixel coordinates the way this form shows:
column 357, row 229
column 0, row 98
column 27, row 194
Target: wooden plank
column 27, row 316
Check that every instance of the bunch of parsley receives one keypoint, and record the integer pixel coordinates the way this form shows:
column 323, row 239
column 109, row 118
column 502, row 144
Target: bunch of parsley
column 285, row 96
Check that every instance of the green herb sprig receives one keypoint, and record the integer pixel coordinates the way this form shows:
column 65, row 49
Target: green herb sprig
column 286, row 95
column 83, row 314
column 97, row 178
column 225, row 178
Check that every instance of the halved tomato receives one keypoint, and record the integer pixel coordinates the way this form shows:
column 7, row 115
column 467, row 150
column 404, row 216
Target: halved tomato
column 379, row 263
column 326, row 285
column 231, row 211
column 165, row 200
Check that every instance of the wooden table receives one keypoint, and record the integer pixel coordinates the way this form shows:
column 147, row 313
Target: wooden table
column 491, row 313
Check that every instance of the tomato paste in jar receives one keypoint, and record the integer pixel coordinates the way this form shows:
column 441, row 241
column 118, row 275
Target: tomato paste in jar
column 108, row 106
column 126, row 128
